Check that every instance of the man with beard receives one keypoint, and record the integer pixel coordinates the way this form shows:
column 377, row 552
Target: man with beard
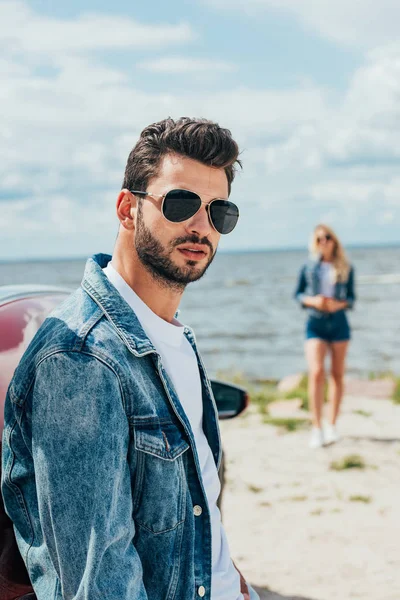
column 112, row 444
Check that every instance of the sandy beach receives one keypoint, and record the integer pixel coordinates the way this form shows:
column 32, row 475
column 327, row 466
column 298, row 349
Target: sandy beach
column 300, row 530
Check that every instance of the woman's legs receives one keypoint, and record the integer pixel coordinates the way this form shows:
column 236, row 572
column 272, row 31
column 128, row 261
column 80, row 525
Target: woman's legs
column 315, row 353
column 338, row 353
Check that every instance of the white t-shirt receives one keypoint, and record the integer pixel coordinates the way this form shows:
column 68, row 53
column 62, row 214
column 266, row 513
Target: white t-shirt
column 179, row 361
column 326, row 278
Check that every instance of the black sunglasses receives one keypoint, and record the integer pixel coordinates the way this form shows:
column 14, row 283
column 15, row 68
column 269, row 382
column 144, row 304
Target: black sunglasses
column 326, row 237
column 181, row 205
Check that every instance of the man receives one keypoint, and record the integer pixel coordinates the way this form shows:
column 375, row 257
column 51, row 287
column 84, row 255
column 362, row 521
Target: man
column 112, row 444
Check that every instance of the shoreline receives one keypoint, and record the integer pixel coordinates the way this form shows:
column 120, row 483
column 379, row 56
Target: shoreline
column 289, row 396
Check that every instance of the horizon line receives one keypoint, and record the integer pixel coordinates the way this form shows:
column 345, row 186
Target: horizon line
column 223, row 251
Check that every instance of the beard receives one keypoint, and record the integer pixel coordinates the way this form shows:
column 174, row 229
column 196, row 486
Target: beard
column 157, row 259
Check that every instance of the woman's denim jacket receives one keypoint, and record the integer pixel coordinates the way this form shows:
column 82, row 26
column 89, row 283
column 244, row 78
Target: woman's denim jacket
column 100, row 470
column 309, row 284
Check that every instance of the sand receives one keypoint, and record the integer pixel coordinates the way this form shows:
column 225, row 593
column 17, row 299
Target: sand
column 300, row 530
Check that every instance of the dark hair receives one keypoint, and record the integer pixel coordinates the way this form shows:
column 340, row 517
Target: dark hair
column 198, row 139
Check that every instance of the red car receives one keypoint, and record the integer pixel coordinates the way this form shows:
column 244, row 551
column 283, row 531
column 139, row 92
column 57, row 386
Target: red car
column 23, row 308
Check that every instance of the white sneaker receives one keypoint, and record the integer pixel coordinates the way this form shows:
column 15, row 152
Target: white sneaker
column 317, row 438
column 331, row 434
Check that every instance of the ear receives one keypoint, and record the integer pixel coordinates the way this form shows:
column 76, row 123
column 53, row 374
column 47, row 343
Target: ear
column 126, row 208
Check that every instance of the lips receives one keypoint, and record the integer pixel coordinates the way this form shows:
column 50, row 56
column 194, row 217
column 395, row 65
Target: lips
column 193, row 252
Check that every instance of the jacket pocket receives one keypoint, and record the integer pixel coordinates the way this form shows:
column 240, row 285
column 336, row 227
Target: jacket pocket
column 160, row 485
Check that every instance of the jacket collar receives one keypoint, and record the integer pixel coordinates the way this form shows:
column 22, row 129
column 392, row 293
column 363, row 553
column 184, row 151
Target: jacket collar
column 119, row 313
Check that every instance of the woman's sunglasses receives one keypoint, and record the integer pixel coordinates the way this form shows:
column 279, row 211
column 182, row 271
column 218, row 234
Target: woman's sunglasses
column 326, row 237
column 181, row 205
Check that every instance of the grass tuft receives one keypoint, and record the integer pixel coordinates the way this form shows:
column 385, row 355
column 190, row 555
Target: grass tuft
column 352, row 461
column 301, row 391
column 254, row 488
column 290, row 424
column 357, row 498
column 374, row 375
column 363, row 413
column 396, row 392
column 262, row 397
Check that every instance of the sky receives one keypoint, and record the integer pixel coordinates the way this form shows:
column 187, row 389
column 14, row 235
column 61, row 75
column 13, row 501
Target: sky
column 309, row 88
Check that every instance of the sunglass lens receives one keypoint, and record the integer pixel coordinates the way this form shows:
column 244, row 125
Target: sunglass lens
column 224, row 215
column 326, row 237
column 180, row 205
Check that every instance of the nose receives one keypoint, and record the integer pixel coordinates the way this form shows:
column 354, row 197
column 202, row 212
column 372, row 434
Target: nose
column 200, row 223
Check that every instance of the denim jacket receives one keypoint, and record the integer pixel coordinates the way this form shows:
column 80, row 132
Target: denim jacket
column 100, row 470
column 309, row 284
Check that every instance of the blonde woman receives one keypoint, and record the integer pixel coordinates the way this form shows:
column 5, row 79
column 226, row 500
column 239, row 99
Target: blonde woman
column 326, row 289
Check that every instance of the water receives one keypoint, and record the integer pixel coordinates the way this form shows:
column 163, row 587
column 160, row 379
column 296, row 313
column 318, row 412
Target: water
column 246, row 320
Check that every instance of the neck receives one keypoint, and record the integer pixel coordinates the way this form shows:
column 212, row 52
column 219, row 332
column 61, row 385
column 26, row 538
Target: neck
column 162, row 300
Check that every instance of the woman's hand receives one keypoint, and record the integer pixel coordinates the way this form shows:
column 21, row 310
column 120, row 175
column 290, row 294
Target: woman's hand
column 319, row 302
column 332, row 305
column 324, row 304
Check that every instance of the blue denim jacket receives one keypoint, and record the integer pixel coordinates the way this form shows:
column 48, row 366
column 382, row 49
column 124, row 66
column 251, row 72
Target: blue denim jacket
column 100, row 470
column 309, row 284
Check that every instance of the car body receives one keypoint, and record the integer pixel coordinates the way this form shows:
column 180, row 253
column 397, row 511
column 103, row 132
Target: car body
column 23, row 308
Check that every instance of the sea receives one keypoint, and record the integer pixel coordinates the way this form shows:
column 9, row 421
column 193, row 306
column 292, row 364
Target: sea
column 246, row 320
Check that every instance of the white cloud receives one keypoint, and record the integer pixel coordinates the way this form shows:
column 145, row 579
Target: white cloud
column 387, row 217
column 302, row 149
column 359, row 23
column 181, row 64
column 66, row 133
column 361, row 131
column 23, row 31
column 14, row 216
column 335, row 191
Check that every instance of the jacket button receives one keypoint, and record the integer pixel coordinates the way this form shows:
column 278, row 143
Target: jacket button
column 197, row 510
column 201, row 591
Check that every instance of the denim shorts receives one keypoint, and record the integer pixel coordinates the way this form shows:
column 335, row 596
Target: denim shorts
column 329, row 327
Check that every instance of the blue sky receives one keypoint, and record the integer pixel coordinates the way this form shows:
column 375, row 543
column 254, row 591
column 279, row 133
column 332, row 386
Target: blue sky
column 310, row 90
